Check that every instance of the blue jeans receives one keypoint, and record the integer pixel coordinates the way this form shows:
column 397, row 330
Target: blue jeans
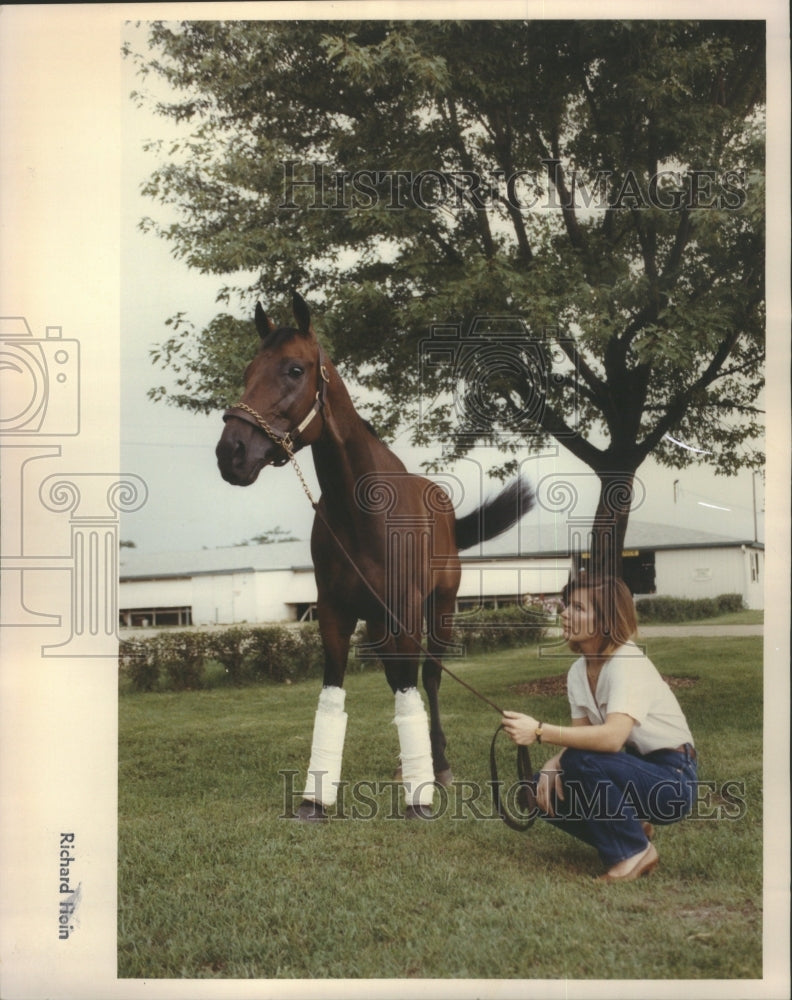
column 608, row 795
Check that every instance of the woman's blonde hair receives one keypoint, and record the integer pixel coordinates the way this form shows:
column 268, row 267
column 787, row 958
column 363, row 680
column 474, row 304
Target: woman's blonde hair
column 613, row 608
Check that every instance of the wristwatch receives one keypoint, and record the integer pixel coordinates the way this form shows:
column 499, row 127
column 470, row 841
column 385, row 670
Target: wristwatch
column 538, row 732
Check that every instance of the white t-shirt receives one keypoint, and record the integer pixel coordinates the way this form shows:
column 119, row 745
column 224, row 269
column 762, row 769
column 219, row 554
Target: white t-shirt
column 630, row 683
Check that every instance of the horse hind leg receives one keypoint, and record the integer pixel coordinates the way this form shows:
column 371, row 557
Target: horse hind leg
column 438, row 614
column 417, row 772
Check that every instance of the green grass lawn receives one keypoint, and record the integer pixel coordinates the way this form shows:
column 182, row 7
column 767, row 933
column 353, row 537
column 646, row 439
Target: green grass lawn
column 213, row 882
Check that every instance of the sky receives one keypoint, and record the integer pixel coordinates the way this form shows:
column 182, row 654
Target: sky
column 190, row 507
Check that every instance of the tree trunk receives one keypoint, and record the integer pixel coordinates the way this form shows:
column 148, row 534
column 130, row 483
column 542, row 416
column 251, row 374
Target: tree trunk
column 610, row 523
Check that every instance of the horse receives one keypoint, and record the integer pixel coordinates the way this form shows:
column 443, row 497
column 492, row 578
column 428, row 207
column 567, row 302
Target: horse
column 384, row 545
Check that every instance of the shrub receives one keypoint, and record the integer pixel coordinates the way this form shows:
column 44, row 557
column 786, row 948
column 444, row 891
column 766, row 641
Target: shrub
column 501, row 628
column 360, row 656
column 706, row 607
column 275, row 653
column 232, row 647
column 138, row 664
column 310, row 652
column 677, row 609
column 182, row 655
column 729, row 603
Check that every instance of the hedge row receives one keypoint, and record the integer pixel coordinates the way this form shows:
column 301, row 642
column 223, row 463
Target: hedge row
column 179, row 661
column 677, row 609
column 501, row 628
column 182, row 661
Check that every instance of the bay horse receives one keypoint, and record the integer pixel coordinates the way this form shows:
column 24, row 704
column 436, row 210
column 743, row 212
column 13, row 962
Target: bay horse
column 384, row 545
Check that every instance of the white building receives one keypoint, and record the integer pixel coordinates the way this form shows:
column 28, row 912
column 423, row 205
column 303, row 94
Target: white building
column 271, row 583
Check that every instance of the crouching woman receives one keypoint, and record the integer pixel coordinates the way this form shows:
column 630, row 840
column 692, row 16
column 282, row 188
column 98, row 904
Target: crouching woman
column 628, row 760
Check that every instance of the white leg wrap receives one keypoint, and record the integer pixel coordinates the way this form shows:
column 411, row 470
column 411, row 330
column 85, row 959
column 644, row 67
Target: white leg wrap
column 327, row 747
column 416, row 748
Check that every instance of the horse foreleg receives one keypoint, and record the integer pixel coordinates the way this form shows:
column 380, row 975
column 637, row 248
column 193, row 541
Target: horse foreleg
column 330, row 720
column 327, row 748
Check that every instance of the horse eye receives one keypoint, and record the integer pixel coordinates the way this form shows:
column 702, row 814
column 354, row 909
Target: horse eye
column 295, row 371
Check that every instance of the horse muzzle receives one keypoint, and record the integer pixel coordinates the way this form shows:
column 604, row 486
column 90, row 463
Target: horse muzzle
column 242, row 453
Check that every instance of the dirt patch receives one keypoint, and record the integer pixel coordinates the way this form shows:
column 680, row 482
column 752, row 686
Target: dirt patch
column 556, row 685
column 679, row 682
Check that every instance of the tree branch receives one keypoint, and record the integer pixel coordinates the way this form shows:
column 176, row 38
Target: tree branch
column 503, row 141
column 648, row 242
column 556, row 427
column 598, row 387
column 555, row 173
column 679, row 404
column 468, row 164
column 680, row 242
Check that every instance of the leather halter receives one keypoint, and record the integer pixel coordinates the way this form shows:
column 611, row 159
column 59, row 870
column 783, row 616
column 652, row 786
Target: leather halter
column 287, row 441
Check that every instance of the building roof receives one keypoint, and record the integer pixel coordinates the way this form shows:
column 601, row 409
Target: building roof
column 270, row 558
column 561, row 537
column 527, row 540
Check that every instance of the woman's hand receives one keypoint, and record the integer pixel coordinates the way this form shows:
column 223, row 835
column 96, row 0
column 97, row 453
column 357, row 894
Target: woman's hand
column 549, row 785
column 521, row 729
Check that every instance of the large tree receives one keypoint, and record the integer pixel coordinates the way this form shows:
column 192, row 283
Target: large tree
column 557, row 227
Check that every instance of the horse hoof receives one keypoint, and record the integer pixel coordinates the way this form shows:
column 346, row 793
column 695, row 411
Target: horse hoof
column 444, row 778
column 418, row 812
column 311, row 812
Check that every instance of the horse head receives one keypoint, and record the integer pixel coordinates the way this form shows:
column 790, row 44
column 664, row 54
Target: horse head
column 280, row 406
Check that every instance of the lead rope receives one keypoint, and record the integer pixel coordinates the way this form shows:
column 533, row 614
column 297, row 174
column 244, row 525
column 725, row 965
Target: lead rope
column 293, row 459
column 527, row 787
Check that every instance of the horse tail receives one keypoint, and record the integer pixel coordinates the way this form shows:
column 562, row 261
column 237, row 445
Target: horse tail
column 495, row 515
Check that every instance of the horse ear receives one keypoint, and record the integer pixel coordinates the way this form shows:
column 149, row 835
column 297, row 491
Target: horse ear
column 301, row 313
column 264, row 324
